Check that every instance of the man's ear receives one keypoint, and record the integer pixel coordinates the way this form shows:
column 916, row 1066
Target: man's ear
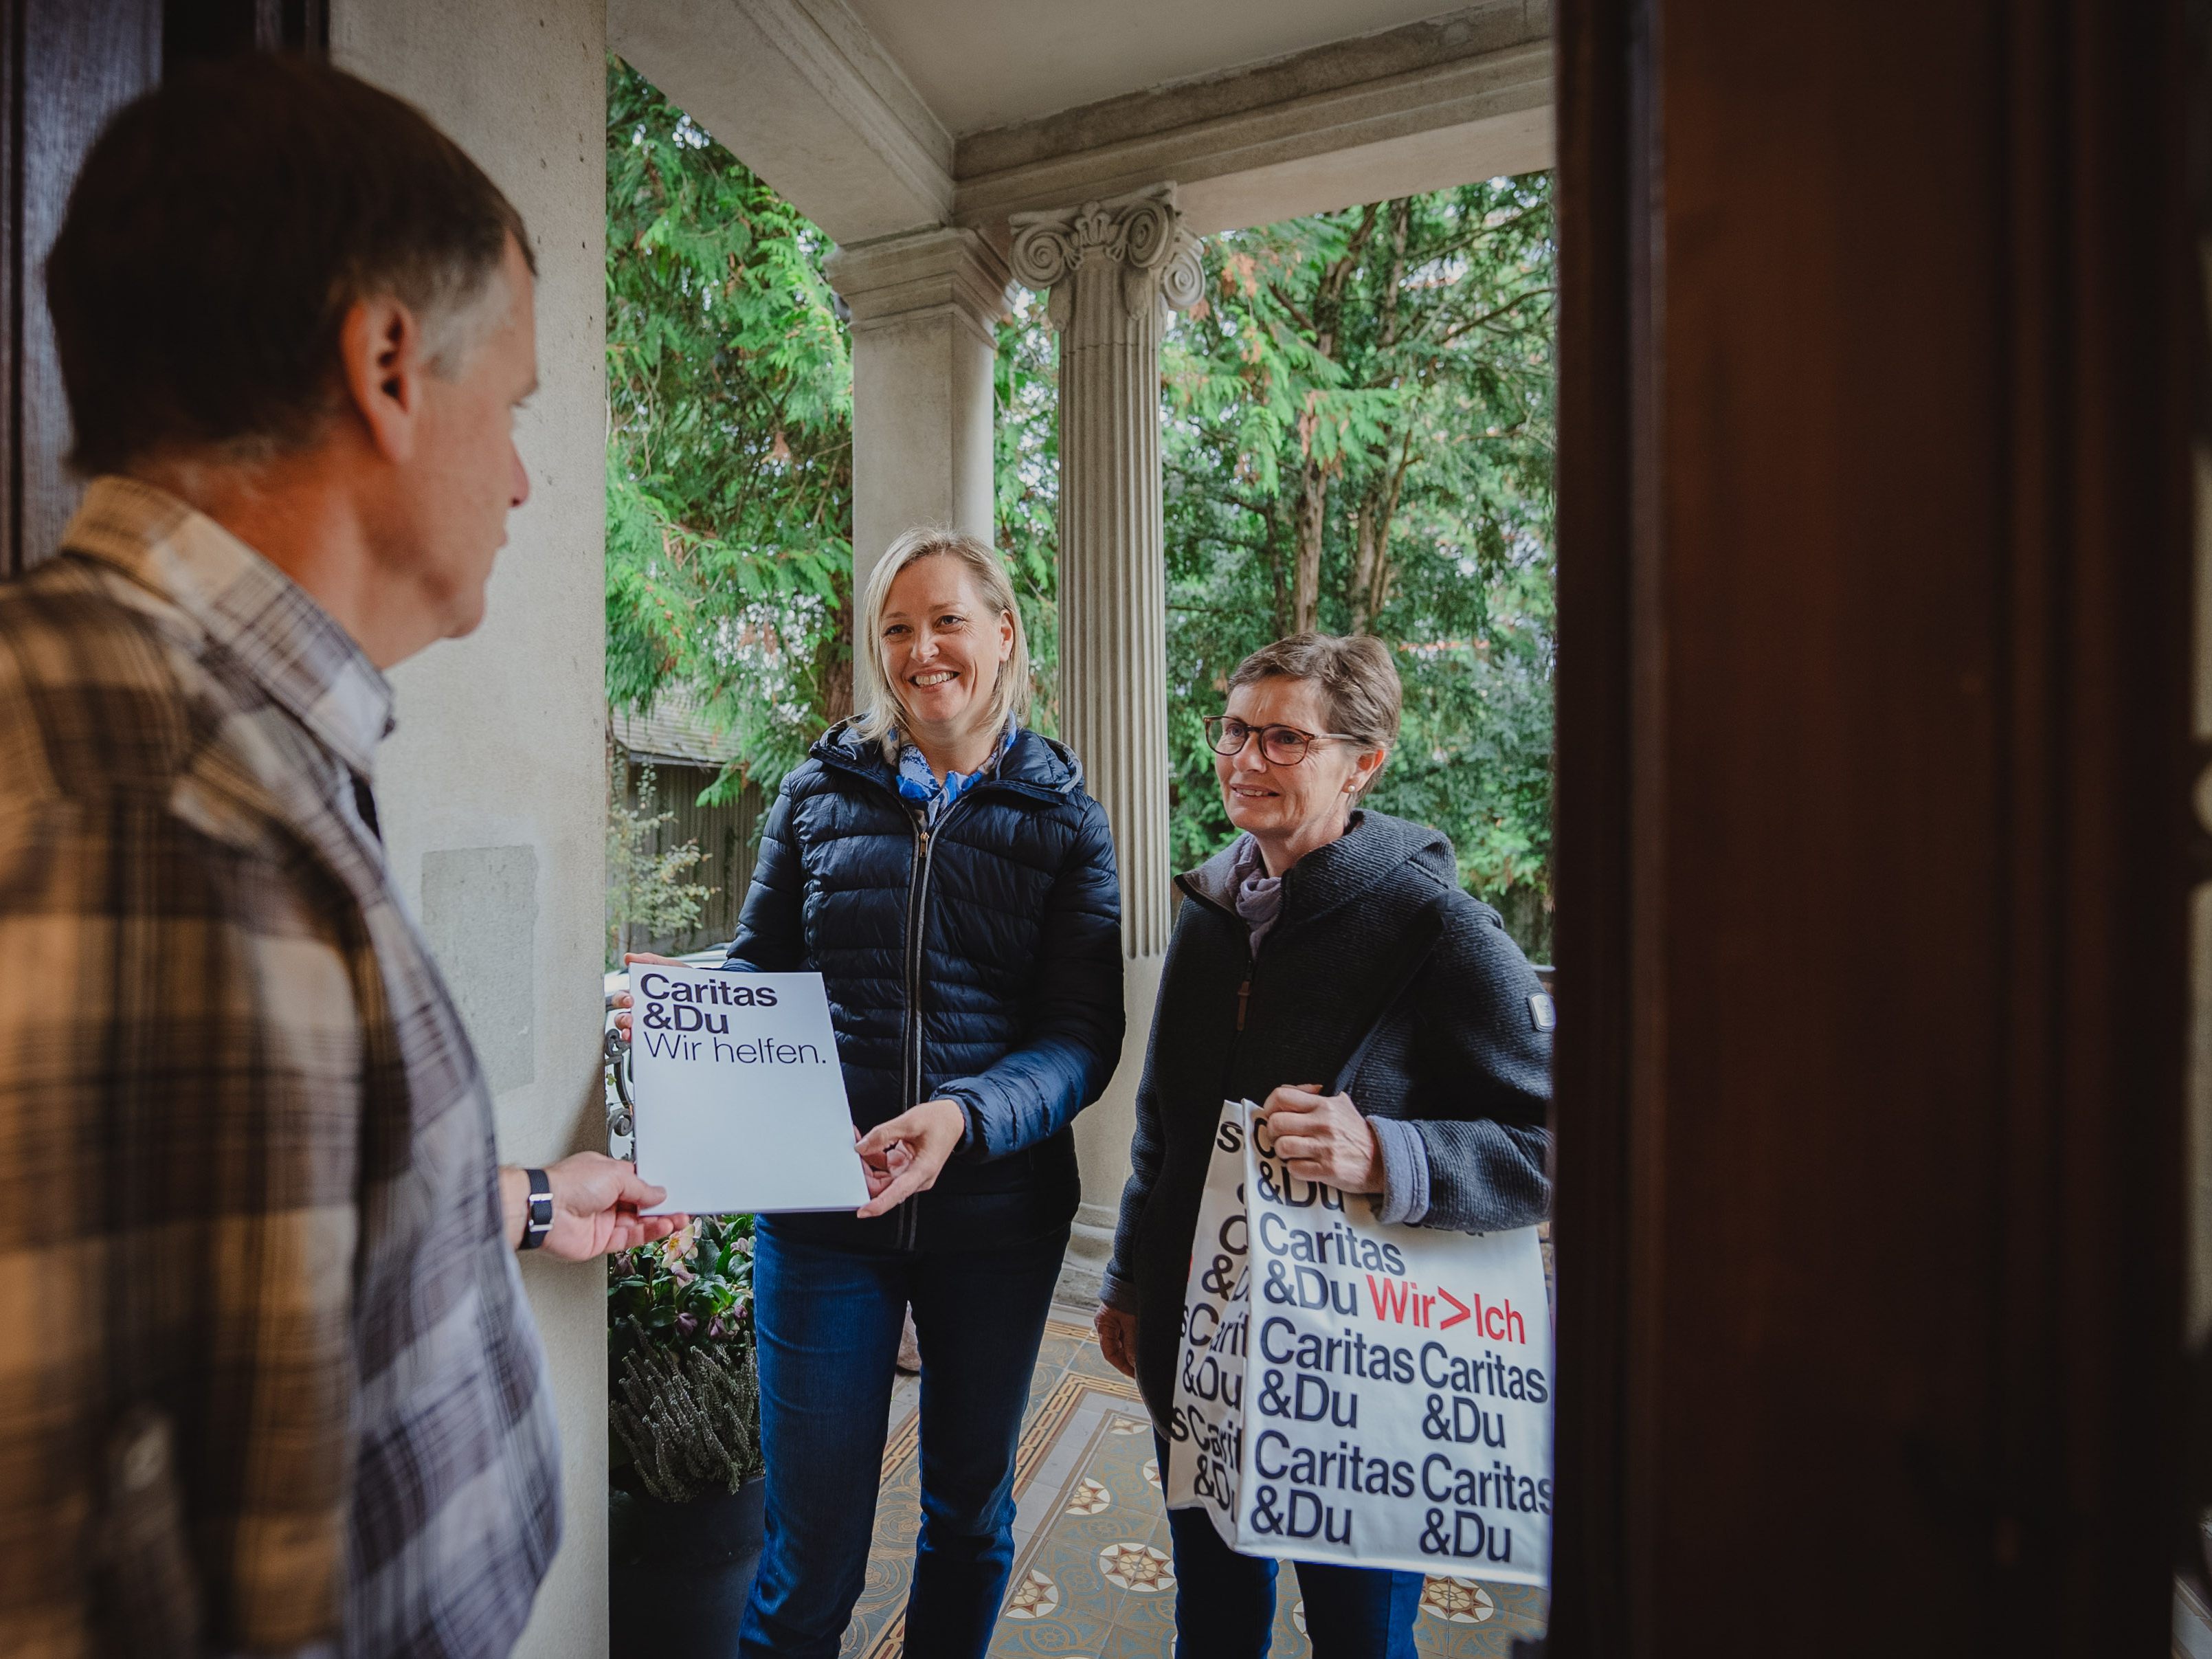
column 381, row 358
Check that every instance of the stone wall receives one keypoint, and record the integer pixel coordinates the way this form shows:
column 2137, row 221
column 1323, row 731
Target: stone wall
column 494, row 787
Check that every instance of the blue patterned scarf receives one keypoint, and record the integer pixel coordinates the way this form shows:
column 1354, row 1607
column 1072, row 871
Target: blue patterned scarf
column 918, row 784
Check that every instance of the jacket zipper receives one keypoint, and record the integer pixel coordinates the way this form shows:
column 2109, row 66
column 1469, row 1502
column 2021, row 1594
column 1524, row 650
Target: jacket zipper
column 1236, row 1038
column 917, row 899
column 1243, row 988
column 917, row 907
column 917, row 895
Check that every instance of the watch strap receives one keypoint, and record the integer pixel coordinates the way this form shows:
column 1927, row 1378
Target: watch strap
column 538, row 1214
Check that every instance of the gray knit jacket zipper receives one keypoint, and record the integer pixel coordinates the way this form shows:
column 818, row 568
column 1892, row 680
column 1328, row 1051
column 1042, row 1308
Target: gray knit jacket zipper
column 1243, row 991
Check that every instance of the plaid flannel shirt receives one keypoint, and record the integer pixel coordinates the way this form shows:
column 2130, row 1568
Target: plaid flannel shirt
column 269, row 1382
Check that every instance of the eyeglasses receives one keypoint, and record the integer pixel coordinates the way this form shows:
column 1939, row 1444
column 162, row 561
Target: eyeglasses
column 1286, row 745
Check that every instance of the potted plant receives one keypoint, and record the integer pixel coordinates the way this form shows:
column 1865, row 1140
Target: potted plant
column 683, row 1415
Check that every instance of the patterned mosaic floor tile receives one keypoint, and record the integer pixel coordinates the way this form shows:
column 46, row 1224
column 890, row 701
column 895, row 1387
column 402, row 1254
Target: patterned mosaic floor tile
column 1094, row 1580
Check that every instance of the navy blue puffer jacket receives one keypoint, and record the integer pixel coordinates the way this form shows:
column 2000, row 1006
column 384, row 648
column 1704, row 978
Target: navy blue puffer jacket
column 979, row 961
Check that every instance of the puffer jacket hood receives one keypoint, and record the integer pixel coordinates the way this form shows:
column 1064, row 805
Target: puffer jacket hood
column 1036, row 762
column 977, row 959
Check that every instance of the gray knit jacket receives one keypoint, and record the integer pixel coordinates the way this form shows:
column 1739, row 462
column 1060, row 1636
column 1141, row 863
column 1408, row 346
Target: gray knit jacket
column 1462, row 1060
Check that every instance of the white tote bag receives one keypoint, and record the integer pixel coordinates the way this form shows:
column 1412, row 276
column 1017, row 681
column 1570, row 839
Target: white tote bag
column 1205, row 1434
column 1358, row 1393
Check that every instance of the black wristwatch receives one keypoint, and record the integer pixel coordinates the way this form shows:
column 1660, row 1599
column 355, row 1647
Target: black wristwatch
column 537, row 1216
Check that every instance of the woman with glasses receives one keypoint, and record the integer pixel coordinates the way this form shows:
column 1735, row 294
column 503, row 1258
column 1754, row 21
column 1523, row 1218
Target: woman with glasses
column 1288, row 939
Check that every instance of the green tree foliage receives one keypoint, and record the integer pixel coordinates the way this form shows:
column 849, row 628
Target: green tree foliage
column 729, row 440
column 648, row 898
column 1359, row 437
column 1027, row 476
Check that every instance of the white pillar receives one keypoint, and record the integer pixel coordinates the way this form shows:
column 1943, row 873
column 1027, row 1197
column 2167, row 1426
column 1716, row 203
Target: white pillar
column 493, row 790
column 925, row 308
column 1113, row 268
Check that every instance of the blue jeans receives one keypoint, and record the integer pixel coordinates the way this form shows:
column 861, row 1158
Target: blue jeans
column 829, row 1323
column 1225, row 1602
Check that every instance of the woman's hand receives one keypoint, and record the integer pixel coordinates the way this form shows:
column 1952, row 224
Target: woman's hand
column 1323, row 1137
column 1117, row 1338
column 902, row 1158
column 623, row 997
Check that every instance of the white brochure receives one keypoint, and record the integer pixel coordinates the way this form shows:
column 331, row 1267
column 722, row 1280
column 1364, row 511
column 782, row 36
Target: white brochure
column 740, row 1099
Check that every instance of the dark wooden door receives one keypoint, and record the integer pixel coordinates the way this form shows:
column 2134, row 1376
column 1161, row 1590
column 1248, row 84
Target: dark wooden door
column 70, row 65
column 1873, row 757
column 65, row 66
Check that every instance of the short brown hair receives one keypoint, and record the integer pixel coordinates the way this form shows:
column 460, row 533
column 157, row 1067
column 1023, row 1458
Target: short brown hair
column 1359, row 685
column 222, row 226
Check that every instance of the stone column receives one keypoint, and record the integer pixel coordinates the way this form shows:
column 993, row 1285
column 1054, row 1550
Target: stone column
column 492, row 790
column 924, row 309
column 1113, row 268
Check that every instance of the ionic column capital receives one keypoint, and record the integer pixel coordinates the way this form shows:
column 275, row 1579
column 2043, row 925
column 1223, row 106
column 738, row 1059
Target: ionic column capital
column 1139, row 237
column 924, row 273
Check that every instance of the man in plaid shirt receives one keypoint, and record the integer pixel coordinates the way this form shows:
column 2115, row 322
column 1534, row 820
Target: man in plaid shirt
column 270, row 1384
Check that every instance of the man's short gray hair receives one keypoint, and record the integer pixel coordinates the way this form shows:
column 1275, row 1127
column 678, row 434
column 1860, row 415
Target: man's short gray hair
column 221, row 227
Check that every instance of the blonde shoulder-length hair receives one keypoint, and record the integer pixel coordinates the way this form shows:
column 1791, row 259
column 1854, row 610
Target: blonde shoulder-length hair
column 880, row 716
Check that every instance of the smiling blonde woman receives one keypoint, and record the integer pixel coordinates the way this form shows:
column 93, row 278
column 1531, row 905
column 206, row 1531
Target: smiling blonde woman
column 944, row 871
column 901, row 688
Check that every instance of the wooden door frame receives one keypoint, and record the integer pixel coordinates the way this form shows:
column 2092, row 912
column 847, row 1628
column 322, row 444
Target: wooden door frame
column 65, row 66
column 2057, row 1528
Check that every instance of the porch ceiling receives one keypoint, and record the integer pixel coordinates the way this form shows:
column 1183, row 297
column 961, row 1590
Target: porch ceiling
column 879, row 117
column 981, row 64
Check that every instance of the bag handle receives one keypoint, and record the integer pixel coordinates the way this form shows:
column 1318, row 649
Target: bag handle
column 1420, row 940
